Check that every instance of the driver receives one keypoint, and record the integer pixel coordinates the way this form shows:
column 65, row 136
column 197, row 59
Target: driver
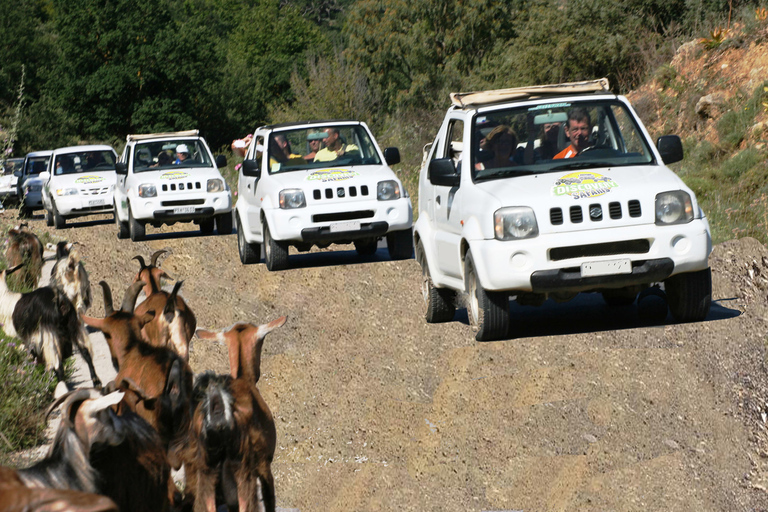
column 577, row 130
column 334, row 146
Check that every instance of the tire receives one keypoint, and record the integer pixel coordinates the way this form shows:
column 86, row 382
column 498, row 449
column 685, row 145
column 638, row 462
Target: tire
column 275, row 253
column 439, row 303
column 652, row 305
column 58, row 221
column 206, row 226
column 123, row 231
column 224, row 223
column 136, row 229
column 620, row 297
column 249, row 253
column 26, row 213
column 366, row 247
column 689, row 295
column 48, row 218
column 488, row 311
column 400, row 244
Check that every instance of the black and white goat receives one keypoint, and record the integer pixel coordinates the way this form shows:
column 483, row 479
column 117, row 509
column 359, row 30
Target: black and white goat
column 25, row 250
column 46, row 320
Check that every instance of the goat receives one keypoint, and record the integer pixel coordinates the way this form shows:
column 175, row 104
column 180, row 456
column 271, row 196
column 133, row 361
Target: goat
column 68, row 274
column 232, row 436
column 14, row 497
column 46, row 321
column 25, row 248
column 86, row 420
column 173, row 328
column 163, row 379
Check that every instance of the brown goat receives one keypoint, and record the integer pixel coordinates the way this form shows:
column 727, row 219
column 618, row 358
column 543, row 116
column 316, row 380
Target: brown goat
column 15, row 497
column 232, row 435
column 176, row 325
column 24, row 248
column 163, row 380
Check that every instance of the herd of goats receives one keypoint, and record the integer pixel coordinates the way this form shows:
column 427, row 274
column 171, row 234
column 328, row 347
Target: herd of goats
column 116, row 444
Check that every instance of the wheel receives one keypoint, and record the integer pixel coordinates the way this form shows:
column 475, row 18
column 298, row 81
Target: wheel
column 206, row 226
column 275, row 253
column 249, row 253
column 48, row 218
column 224, row 223
column 123, row 231
column 652, row 304
column 439, row 303
column 135, row 228
column 689, row 295
column 26, row 213
column 367, row 246
column 620, row 297
column 58, row 221
column 400, row 244
column 488, row 311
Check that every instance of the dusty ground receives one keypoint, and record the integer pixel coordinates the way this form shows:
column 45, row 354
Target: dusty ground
column 587, row 408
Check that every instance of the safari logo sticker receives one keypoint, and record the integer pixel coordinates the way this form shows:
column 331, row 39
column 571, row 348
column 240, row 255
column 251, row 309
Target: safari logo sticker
column 332, row 175
column 174, row 175
column 580, row 185
column 89, row 180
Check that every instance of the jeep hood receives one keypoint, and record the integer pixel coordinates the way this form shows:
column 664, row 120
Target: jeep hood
column 83, row 179
column 328, row 176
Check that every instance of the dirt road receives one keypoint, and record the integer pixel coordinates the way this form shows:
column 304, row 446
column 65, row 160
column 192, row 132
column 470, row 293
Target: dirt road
column 586, row 409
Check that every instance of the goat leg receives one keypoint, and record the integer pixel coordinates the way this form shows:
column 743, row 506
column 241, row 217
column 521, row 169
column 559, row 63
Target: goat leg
column 86, row 351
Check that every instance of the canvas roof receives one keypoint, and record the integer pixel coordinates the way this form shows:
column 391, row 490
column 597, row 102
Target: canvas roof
column 478, row 98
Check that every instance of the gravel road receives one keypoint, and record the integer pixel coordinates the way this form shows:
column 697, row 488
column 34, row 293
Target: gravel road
column 586, row 408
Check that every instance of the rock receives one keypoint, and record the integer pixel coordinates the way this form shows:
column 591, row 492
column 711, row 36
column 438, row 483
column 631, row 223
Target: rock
column 711, row 105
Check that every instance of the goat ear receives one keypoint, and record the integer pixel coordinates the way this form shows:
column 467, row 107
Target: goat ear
column 96, row 323
column 108, row 400
column 208, row 335
column 271, row 326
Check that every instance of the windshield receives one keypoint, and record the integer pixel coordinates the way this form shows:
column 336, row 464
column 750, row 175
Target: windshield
column 156, row 155
column 12, row 165
column 556, row 137
column 321, row 146
column 36, row 165
column 84, row 161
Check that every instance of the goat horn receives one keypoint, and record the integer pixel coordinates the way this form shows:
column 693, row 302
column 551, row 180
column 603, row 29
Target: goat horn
column 68, row 398
column 130, row 385
column 141, row 261
column 131, row 294
column 156, row 255
column 109, row 305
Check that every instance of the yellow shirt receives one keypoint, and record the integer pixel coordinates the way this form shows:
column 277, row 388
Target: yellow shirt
column 326, row 155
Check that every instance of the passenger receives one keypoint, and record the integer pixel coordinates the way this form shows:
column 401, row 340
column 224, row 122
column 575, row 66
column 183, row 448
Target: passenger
column 314, row 141
column 334, row 146
column 182, row 154
column 280, row 150
column 548, row 135
column 163, row 159
column 240, row 146
column 65, row 165
column 578, row 128
column 93, row 159
column 503, row 142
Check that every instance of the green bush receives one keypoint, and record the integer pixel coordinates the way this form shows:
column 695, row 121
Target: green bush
column 27, row 392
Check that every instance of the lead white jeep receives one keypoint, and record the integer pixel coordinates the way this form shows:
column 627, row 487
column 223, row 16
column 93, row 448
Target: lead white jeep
column 503, row 214
column 295, row 191
column 164, row 178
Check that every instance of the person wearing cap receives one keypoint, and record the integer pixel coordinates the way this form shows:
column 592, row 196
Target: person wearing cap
column 182, row 154
column 314, row 139
column 334, row 146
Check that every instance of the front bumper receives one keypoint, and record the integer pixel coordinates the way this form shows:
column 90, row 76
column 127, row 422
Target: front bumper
column 80, row 205
column 180, row 207
column 33, row 200
column 529, row 265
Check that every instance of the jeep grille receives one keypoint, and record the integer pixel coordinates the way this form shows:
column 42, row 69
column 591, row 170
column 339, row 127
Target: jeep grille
column 332, row 192
column 595, row 212
column 93, row 191
column 607, row 249
column 332, row 217
column 181, row 186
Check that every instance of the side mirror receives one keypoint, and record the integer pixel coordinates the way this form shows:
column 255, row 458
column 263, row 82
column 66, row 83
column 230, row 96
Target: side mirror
column 44, row 176
column 17, row 174
column 671, row 148
column 442, row 172
column 392, row 156
column 251, row 168
column 221, row 161
column 121, row 168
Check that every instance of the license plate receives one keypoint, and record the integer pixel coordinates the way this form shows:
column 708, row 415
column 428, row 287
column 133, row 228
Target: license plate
column 184, row 209
column 96, row 202
column 352, row 225
column 606, row 268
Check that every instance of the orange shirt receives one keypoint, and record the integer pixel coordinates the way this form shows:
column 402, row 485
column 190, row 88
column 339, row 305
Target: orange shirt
column 568, row 152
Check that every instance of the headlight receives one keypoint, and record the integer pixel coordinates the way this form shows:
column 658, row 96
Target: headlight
column 515, row 223
column 147, row 190
column 674, row 207
column 292, row 198
column 387, row 190
column 215, row 185
column 66, row 191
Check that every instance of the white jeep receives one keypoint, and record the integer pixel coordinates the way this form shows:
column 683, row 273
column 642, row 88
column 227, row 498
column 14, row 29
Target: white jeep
column 549, row 191
column 79, row 181
column 164, row 178
column 320, row 183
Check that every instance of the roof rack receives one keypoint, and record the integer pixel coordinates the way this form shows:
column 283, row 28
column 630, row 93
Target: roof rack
column 144, row 136
column 477, row 98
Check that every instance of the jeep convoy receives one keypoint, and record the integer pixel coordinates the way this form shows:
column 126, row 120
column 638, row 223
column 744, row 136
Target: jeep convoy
column 549, row 191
